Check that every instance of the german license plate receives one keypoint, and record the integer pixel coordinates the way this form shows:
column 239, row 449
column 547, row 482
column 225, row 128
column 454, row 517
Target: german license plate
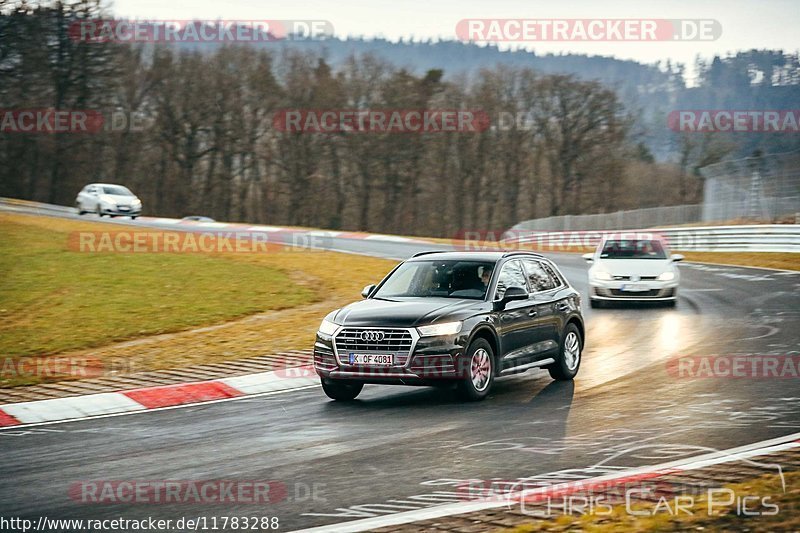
column 634, row 288
column 372, row 359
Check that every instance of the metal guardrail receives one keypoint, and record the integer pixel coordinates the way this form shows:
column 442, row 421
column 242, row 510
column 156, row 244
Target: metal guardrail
column 753, row 238
column 745, row 238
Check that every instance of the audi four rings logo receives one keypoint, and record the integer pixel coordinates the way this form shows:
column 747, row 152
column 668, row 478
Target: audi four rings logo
column 374, row 336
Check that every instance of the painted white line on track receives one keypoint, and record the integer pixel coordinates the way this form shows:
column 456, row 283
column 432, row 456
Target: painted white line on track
column 212, row 224
column 268, row 229
column 440, row 511
column 390, row 238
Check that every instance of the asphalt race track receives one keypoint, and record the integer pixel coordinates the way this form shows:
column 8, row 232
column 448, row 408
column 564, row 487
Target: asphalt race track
column 399, row 448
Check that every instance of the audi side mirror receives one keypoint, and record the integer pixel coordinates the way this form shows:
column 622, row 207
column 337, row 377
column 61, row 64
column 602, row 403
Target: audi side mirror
column 589, row 258
column 512, row 293
column 366, row 291
column 677, row 257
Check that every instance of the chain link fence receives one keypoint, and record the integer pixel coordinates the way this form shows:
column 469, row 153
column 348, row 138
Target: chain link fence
column 755, row 188
column 759, row 188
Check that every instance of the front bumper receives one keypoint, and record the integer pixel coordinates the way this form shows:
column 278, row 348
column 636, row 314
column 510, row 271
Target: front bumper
column 430, row 361
column 633, row 291
column 119, row 210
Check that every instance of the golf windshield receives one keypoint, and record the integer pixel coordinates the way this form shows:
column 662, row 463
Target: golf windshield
column 633, row 249
column 116, row 190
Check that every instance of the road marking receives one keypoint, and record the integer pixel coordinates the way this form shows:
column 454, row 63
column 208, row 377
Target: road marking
column 211, row 224
column 268, row 229
column 390, row 238
column 693, row 463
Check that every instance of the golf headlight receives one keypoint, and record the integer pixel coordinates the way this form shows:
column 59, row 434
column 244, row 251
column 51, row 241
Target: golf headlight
column 446, row 328
column 666, row 276
column 107, row 200
column 602, row 275
column 136, row 202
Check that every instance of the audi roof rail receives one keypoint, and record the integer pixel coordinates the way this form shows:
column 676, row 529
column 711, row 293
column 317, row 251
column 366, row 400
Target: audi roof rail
column 521, row 252
column 430, row 252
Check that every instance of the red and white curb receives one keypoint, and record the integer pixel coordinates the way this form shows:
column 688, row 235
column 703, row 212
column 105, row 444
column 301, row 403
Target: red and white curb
column 109, row 403
column 742, row 453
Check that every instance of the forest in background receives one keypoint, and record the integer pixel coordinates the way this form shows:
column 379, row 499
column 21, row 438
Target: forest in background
column 596, row 141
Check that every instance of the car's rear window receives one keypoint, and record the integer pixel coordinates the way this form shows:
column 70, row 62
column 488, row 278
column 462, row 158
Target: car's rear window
column 633, row 249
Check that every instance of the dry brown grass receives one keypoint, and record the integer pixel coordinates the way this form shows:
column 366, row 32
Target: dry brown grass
column 783, row 261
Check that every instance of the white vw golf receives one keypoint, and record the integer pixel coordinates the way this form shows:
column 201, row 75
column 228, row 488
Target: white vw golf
column 633, row 267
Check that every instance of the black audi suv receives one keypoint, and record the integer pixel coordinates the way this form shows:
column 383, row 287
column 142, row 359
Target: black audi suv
column 453, row 317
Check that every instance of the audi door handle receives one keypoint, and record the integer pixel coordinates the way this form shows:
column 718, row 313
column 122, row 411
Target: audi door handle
column 532, row 313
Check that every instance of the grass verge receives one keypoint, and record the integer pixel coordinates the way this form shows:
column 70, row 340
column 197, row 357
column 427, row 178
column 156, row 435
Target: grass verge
column 783, row 261
column 160, row 310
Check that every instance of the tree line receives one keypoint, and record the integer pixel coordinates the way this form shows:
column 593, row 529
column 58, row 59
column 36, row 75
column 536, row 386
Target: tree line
column 198, row 136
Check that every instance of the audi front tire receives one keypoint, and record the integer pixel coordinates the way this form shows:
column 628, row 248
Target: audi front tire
column 342, row 391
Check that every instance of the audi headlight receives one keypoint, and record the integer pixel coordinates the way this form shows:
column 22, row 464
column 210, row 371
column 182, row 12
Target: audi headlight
column 602, row 275
column 136, row 202
column 666, row 276
column 327, row 328
column 446, row 328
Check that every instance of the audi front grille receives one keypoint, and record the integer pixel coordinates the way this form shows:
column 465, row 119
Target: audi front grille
column 379, row 340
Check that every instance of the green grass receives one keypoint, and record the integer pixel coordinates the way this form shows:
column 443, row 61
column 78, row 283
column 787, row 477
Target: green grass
column 53, row 299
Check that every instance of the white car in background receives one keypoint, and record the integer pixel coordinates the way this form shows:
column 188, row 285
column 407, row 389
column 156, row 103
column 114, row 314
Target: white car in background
column 108, row 199
column 633, row 268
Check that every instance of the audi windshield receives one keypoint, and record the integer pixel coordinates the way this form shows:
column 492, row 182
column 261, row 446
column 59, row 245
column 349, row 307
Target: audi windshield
column 438, row 279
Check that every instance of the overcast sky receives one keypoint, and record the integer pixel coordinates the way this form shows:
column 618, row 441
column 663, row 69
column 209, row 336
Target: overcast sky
column 749, row 24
